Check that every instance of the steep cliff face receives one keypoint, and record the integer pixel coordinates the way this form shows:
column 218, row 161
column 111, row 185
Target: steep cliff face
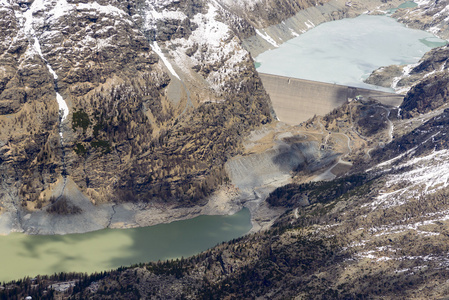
column 432, row 79
column 426, row 95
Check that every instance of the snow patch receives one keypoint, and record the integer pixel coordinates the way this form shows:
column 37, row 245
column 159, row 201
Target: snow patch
column 442, row 12
column 390, row 161
column 405, row 73
column 422, row 2
column 309, row 24
column 429, row 74
column 63, row 108
column 243, row 4
column 104, row 9
column 36, row 6
column 267, row 38
column 61, row 9
column 158, row 51
column 429, row 174
column 294, row 33
column 215, row 47
column 157, row 11
column 209, row 29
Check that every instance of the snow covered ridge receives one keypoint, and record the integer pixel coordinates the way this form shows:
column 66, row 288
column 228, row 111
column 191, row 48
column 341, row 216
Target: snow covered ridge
column 49, row 13
column 210, row 48
column 219, row 54
column 156, row 11
column 34, row 17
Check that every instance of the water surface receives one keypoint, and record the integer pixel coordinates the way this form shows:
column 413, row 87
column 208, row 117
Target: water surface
column 348, row 50
column 408, row 4
column 29, row 255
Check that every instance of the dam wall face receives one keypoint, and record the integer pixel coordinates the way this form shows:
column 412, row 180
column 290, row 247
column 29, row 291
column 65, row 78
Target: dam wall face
column 297, row 100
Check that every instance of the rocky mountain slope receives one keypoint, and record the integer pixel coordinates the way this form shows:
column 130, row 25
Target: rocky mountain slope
column 152, row 98
column 377, row 228
column 134, row 127
column 378, row 232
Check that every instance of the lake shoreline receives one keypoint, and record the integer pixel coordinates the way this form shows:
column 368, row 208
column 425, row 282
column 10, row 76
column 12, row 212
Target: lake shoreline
column 30, row 255
column 226, row 201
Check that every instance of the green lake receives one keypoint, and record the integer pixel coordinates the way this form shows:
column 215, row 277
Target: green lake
column 408, row 4
column 29, row 255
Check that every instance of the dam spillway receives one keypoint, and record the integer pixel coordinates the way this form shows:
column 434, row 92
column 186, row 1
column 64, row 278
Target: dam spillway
column 297, row 100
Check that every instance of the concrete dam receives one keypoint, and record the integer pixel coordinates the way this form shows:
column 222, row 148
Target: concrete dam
column 297, row 100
